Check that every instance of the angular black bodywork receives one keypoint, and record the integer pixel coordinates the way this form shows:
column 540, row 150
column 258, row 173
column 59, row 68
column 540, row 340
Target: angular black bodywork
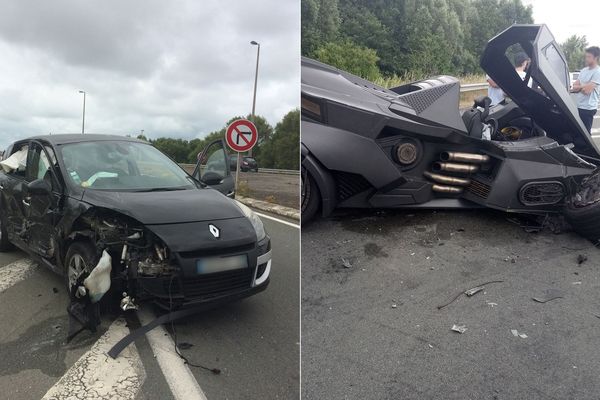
column 154, row 238
column 367, row 146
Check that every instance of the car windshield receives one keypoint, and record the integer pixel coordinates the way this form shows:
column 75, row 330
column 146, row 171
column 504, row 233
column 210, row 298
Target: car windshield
column 122, row 166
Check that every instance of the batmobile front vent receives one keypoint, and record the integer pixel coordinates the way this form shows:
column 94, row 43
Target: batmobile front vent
column 541, row 193
column 349, row 184
column 479, row 189
column 420, row 100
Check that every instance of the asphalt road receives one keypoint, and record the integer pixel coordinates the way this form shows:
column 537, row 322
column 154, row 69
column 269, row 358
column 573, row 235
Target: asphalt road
column 254, row 342
column 373, row 331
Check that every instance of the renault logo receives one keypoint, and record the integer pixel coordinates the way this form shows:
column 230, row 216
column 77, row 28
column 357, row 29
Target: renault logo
column 214, row 230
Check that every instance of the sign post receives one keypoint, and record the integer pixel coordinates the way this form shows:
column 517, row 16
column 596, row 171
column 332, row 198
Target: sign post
column 241, row 135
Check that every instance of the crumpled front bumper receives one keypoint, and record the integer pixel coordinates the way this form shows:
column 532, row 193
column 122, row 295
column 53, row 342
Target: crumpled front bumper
column 188, row 289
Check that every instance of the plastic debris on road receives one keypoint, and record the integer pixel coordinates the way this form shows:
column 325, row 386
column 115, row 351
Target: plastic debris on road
column 459, row 328
column 346, row 263
column 516, row 333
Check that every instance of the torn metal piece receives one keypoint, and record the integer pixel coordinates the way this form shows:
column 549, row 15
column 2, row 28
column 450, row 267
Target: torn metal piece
column 459, row 328
column 127, row 303
column 474, row 290
column 464, row 292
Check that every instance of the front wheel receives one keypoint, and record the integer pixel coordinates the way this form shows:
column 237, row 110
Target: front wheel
column 310, row 197
column 583, row 209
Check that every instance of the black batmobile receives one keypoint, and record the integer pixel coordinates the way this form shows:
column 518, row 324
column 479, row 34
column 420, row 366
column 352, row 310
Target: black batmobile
column 409, row 146
column 124, row 223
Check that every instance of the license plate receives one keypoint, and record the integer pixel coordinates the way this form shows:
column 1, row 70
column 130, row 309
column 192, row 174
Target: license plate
column 211, row 265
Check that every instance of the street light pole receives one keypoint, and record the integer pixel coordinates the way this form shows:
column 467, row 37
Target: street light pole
column 254, row 43
column 83, row 119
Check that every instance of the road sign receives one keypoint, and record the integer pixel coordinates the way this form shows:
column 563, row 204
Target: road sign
column 241, row 135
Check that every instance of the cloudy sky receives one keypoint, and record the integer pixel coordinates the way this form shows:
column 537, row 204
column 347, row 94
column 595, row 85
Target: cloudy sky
column 566, row 18
column 178, row 69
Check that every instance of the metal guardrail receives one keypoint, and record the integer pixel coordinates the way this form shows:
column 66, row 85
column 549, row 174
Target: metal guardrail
column 472, row 87
column 261, row 170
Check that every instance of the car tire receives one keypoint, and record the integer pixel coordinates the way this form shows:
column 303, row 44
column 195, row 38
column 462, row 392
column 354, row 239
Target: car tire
column 5, row 244
column 582, row 211
column 81, row 258
column 310, row 197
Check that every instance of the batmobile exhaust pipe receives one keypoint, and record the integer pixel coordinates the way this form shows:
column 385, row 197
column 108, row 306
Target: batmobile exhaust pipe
column 446, row 189
column 464, row 157
column 454, row 167
column 447, row 180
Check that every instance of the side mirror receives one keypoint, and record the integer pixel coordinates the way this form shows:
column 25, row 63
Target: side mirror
column 211, row 178
column 39, row 187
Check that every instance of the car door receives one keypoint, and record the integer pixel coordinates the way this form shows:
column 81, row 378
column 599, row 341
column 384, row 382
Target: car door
column 11, row 190
column 41, row 208
column 213, row 168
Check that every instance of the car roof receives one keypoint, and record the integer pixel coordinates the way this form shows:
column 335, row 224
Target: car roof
column 79, row 138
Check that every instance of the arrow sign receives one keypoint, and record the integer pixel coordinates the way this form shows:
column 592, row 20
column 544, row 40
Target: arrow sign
column 241, row 135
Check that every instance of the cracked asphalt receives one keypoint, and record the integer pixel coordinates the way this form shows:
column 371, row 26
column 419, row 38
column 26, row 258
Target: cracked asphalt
column 374, row 330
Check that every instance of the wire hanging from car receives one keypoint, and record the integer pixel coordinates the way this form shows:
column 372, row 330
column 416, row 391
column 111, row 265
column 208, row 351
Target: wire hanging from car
column 215, row 371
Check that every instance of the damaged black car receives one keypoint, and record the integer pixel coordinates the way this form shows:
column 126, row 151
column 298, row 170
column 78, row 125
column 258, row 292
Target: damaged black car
column 364, row 145
column 126, row 224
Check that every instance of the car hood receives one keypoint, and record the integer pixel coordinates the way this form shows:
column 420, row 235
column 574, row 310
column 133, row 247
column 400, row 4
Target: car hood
column 168, row 207
column 551, row 106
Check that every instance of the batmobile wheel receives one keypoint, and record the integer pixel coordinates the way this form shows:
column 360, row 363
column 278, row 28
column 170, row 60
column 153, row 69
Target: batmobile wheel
column 583, row 209
column 310, row 197
column 5, row 245
column 80, row 260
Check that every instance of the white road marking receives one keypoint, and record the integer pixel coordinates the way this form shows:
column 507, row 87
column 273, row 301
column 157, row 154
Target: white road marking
column 180, row 379
column 97, row 376
column 281, row 221
column 15, row 271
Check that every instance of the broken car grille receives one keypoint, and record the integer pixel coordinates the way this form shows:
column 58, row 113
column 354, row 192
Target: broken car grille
column 217, row 284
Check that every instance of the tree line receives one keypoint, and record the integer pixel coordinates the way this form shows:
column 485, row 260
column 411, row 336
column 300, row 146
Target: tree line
column 375, row 38
column 277, row 147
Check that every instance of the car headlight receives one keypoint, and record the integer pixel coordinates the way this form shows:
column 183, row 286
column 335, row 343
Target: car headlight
column 254, row 219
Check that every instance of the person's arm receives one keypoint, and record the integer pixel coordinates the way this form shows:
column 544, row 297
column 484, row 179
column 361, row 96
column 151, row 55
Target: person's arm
column 492, row 83
column 589, row 87
column 576, row 87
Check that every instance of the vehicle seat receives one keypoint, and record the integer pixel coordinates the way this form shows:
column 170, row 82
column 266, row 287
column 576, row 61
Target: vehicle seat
column 473, row 122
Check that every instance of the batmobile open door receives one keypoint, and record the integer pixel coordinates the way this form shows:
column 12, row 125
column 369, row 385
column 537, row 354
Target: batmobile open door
column 547, row 99
column 213, row 168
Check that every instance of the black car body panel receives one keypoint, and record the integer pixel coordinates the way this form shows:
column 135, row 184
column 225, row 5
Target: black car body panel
column 354, row 133
column 155, row 238
column 552, row 108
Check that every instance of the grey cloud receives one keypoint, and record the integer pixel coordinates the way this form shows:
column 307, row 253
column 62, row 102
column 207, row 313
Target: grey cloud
column 171, row 68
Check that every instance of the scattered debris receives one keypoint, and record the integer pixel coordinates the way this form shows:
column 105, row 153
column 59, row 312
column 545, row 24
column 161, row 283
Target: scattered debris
column 459, row 328
column 516, row 333
column 581, row 258
column 546, row 299
column 473, row 291
column 492, row 304
column 430, row 346
column 576, row 283
column 470, row 290
column 346, row 263
column 394, row 305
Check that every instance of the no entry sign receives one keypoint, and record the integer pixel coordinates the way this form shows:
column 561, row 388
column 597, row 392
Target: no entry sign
column 241, row 135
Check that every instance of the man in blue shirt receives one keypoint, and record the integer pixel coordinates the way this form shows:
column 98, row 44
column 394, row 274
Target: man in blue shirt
column 587, row 87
